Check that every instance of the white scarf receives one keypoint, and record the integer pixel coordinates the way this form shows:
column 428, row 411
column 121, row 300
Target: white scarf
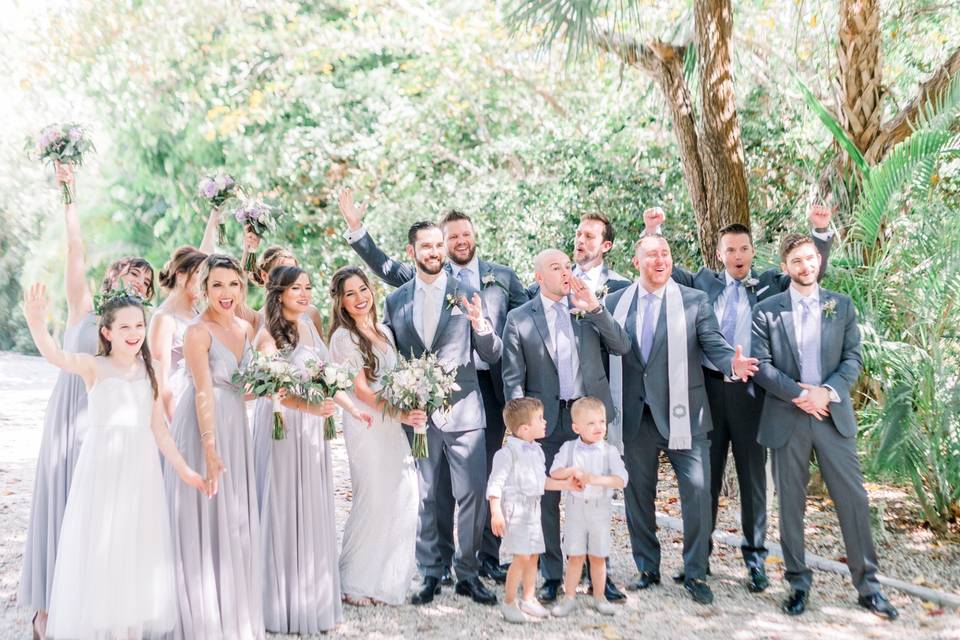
column 679, row 389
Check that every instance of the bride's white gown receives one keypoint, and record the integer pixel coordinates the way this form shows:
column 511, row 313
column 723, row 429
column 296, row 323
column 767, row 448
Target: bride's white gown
column 378, row 559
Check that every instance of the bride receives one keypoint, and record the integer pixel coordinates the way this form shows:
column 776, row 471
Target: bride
column 378, row 560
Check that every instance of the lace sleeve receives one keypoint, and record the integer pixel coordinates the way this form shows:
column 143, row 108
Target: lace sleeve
column 343, row 349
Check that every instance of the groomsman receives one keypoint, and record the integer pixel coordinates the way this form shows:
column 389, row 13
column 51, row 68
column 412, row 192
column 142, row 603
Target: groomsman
column 808, row 346
column 657, row 388
column 592, row 241
column 501, row 290
column 437, row 313
column 735, row 408
column 553, row 350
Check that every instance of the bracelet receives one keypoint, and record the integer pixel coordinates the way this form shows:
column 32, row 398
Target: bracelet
column 204, row 434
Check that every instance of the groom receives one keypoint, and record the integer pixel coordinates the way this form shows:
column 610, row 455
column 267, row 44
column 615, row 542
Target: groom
column 443, row 315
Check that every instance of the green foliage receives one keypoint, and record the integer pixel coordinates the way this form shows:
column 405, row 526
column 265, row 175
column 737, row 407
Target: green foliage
column 835, row 128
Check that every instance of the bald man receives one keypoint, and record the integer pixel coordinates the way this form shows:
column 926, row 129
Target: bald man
column 553, row 350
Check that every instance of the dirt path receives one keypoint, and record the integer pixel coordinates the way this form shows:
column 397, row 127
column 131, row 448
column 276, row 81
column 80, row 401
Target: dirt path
column 664, row 612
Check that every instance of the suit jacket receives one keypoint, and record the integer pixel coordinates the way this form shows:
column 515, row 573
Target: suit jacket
column 506, row 292
column 649, row 384
column 529, row 356
column 454, row 343
column 608, row 278
column 775, row 346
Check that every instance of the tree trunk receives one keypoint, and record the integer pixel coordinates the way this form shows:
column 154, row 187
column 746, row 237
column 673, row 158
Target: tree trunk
column 858, row 80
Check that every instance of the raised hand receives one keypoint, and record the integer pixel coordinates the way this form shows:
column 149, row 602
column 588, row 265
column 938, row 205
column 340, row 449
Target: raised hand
column 35, row 304
column 352, row 214
column 743, row 367
column 581, row 296
column 65, row 174
column 251, row 241
column 652, row 219
column 474, row 309
column 820, row 215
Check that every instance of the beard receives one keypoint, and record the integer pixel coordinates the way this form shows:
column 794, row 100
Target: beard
column 429, row 270
column 586, row 257
column 806, row 281
column 460, row 263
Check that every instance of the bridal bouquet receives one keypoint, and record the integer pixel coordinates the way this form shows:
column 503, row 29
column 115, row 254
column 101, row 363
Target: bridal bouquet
column 265, row 376
column 64, row 144
column 259, row 217
column 325, row 379
column 217, row 189
column 422, row 383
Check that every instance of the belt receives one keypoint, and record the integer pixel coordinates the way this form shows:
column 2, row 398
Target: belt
column 713, row 373
column 566, row 404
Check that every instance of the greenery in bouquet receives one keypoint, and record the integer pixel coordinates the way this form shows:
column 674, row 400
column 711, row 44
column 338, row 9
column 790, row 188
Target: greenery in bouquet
column 63, row 144
column 324, row 381
column 267, row 376
column 258, row 217
column 217, row 189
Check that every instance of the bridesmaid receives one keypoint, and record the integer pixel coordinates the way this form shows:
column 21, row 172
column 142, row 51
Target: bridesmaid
column 273, row 256
column 216, row 542
column 295, row 475
column 59, row 446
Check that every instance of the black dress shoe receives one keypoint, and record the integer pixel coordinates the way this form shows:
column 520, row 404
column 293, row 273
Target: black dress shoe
column 474, row 588
column 492, row 570
column 548, row 592
column 680, row 576
column 757, row 580
column 429, row 588
column 879, row 605
column 611, row 593
column 795, row 604
column 699, row 591
column 646, row 580
column 446, row 579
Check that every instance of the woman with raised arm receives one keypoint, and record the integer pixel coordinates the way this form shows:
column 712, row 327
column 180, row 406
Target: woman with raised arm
column 216, row 541
column 59, row 445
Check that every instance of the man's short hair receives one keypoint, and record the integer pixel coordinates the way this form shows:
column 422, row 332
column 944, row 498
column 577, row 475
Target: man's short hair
column 587, row 404
column 520, row 411
column 416, row 228
column 453, row 215
column 735, row 229
column 790, row 242
column 599, row 217
column 636, row 245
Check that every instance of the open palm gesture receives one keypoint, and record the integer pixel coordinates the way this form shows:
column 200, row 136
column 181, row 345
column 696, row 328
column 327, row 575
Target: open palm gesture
column 351, row 212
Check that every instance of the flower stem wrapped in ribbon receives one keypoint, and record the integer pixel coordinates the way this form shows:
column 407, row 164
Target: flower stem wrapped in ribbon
column 264, row 376
column 258, row 217
column 64, row 144
column 423, row 383
column 217, row 189
column 325, row 380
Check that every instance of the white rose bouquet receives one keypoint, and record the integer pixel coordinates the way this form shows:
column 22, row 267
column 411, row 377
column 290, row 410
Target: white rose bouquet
column 265, row 376
column 324, row 381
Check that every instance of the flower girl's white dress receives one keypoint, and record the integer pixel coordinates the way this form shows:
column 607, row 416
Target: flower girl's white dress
column 114, row 575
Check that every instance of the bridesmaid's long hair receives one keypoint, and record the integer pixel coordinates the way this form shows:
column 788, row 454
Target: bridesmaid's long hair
column 284, row 333
column 108, row 313
column 342, row 318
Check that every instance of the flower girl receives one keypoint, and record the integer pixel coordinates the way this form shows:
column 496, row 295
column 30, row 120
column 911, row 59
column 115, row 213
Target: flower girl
column 114, row 577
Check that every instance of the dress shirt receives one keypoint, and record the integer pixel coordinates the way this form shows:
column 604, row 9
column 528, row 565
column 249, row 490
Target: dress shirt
column 473, row 280
column 528, row 465
column 589, row 459
column 593, row 277
column 641, row 303
column 795, row 303
column 551, row 313
column 743, row 334
column 435, row 290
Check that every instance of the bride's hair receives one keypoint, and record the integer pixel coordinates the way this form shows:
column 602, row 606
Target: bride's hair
column 342, row 318
column 284, row 333
column 108, row 313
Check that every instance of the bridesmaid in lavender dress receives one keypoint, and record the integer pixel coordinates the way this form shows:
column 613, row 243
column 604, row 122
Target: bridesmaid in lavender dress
column 216, row 542
column 60, row 443
column 295, row 475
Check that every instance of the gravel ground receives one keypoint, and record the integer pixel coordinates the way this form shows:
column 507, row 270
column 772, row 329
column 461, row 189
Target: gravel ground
column 907, row 552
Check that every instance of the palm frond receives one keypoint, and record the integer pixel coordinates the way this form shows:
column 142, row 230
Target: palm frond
column 830, row 122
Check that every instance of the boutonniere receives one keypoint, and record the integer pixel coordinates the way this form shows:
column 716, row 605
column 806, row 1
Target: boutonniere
column 490, row 280
column 602, row 292
column 751, row 282
column 453, row 299
column 578, row 313
column 830, row 308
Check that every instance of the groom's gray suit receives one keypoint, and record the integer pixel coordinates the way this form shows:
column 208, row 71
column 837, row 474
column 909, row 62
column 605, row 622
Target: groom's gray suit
column 530, row 369
column 792, row 434
column 455, row 439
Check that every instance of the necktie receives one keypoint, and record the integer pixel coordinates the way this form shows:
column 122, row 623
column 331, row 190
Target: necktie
column 728, row 326
column 646, row 333
column 809, row 343
column 564, row 340
column 429, row 318
column 464, row 276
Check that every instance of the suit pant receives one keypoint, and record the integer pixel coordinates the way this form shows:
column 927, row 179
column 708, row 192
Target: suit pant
column 735, row 408
column 456, row 463
column 692, row 466
column 551, row 561
column 840, row 467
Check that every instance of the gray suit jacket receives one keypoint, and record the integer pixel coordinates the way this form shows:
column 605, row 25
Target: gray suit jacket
column 775, row 346
column 529, row 358
column 454, row 343
column 499, row 297
column 649, row 384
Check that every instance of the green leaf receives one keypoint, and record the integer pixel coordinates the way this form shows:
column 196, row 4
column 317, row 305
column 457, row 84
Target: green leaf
column 833, row 126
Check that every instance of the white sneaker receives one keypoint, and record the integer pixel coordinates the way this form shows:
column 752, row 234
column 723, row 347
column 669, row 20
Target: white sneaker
column 533, row 608
column 512, row 613
column 603, row 607
column 565, row 608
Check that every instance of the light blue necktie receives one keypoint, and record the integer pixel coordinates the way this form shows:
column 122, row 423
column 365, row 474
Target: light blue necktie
column 809, row 343
column 464, row 276
column 564, row 340
column 646, row 331
column 728, row 326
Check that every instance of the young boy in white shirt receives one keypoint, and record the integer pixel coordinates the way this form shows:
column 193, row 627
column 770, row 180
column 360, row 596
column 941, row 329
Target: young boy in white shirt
column 597, row 466
column 517, row 481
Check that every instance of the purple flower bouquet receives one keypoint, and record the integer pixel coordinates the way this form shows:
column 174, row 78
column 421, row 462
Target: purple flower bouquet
column 63, row 144
column 217, row 189
column 258, row 217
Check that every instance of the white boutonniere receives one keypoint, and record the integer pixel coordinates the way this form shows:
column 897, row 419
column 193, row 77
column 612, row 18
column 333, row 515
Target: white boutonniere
column 751, row 282
column 829, row 308
column 602, row 292
column 490, row 280
column 453, row 300
column 577, row 313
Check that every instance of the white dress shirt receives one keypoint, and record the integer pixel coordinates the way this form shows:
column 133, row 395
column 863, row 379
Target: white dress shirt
column 435, row 290
column 551, row 313
column 642, row 307
column 528, row 464
column 593, row 278
column 589, row 458
column 814, row 297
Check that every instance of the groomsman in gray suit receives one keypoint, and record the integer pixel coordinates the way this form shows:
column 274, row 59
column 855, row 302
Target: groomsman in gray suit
column 501, row 290
column 658, row 390
column 443, row 315
column 593, row 239
column 734, row 407
column 808, row 346
column 553, row 350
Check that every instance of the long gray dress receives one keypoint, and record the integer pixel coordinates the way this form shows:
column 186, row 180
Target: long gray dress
column 216, row 542
column 59, row 448
column 295, row 487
